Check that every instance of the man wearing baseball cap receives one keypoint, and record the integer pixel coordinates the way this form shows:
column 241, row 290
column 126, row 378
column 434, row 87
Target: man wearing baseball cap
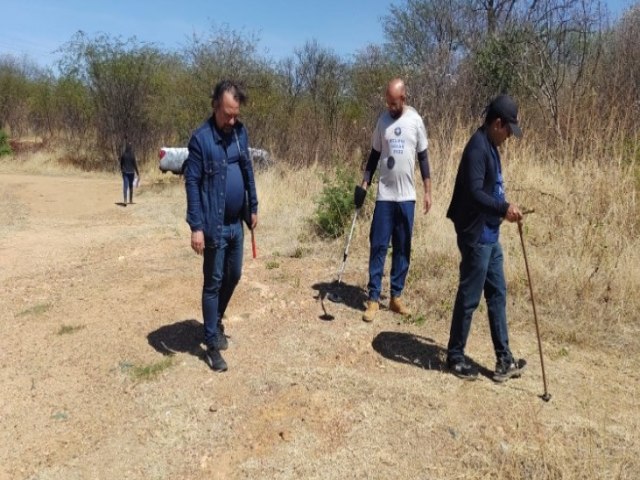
column 477, row 209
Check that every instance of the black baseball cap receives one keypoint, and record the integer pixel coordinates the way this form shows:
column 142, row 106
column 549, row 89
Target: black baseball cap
column 504, row 107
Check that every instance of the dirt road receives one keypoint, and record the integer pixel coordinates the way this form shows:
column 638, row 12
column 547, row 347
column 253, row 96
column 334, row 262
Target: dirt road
column 102, row 375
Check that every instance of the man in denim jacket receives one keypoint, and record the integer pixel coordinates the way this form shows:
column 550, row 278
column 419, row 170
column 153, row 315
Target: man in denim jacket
column 219, row 181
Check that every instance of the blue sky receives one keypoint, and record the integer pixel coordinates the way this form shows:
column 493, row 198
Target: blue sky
column 38, row 27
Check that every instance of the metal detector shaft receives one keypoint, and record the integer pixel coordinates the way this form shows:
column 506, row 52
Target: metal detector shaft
column 346, row 247
column 546, row 395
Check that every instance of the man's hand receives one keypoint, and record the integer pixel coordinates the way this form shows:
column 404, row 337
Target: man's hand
column 513, row 214
column 197, row 241
column 254, row 220
column 427, row 202
column 427, row 195
column 359, row 195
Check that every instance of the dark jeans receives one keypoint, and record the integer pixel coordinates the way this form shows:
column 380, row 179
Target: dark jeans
column 391, row 221
column 222, row 268
column 481, row 269
column 127, row 183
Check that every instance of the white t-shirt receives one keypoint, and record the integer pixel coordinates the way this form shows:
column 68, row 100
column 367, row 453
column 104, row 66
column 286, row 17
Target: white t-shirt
column 398, row 141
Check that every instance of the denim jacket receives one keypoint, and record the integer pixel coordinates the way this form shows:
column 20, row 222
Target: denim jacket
column 205, row 174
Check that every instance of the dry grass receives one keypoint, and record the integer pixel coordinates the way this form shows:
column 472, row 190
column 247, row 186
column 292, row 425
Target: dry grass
column 582, row 241
column 287, row 202
column 313, row 399
column 48, row 160
column 582, row 245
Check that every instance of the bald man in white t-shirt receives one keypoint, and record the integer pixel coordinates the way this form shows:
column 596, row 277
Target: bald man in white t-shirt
column 399, row 137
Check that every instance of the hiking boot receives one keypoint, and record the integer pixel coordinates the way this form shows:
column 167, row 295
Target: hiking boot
column 372, row 308
column 396, row 305
column 214, row 360
column 506, row 370
column 463, row 369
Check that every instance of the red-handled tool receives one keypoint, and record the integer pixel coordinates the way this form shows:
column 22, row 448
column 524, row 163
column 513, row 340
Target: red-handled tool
column 253, row 244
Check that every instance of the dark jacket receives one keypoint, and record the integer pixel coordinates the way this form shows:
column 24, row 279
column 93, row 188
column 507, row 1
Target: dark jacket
column 205, row 172
column 473, row 203
column 128, row 161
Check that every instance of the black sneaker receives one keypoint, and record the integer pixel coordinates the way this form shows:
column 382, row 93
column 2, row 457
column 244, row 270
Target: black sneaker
column 506, row 370
column 463, row 369
column 215, row 361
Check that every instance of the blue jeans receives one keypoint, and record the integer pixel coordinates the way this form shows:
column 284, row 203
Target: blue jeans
column 480, row 270
column 391, row 221
column 222, row 268
column 127, row 184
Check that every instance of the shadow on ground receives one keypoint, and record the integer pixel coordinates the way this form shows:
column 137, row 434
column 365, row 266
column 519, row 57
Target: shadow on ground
column 413, row 349
column 349, row 295
column 416, row 350
column 184, row 336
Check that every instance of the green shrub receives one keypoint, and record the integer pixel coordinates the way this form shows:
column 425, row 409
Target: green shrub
column 335, row 205
column 5, row 148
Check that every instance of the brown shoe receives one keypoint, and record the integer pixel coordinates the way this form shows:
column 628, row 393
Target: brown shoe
column 370, row 312
column 396, row 305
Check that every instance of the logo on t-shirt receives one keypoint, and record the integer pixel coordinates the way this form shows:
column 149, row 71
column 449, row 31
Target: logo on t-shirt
column 391, row 162
column 397, row 131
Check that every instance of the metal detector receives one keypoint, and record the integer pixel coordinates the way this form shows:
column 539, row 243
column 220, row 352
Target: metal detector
column 327, row 317
column 334, row 297
column 546, row 396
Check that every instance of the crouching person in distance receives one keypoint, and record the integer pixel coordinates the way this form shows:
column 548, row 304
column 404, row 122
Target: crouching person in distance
column 217, row 173
column 477, row 209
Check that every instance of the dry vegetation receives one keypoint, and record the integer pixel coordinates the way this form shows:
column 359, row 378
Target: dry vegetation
column 100, row 355
column 94, row 295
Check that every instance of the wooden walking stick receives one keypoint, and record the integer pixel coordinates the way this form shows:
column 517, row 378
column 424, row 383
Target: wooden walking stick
column 546, row 396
